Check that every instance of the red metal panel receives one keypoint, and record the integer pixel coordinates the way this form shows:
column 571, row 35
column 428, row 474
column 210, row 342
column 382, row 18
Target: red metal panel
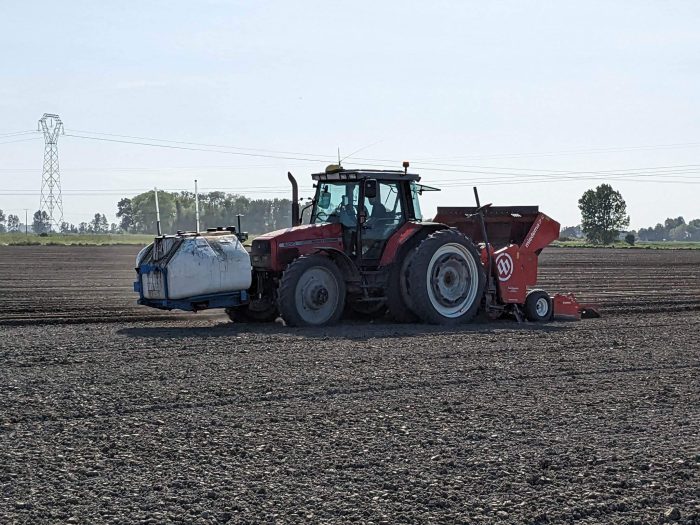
column 301, row 240
column 397, row 240
column 514, row 271
column 542, row 232
column 566, row 305
column 510, row 274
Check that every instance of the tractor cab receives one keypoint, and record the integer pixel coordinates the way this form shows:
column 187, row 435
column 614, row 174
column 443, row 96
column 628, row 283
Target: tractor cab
column 368, row 205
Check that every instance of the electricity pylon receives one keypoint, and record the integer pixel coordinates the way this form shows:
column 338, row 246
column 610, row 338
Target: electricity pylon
column 51, row 200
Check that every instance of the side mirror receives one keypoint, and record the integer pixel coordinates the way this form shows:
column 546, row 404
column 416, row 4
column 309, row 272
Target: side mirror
column 370, row 188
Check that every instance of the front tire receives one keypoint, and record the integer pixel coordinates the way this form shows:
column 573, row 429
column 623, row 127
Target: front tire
column 311, row 292
column 446, row 279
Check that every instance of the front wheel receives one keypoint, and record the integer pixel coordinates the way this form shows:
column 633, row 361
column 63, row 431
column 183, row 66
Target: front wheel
column 446, row 279
column 311, row 292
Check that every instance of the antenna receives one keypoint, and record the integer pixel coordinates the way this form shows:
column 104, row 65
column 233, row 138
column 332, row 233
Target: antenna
column 339, row 156
column 196, row 205
column 158, row 230
column 51, row 201
column 358, row 150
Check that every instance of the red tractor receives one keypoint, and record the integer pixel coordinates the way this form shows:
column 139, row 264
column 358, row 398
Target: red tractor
column 365, row 247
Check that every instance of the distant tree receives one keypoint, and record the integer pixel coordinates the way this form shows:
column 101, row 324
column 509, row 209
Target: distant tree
column 98, row 224
column 694, row 230
column 629, row 239
column 114, row 228
column 125, row 214
column 83, row 227
column 671, row 223
column 95, row 223
column 571, row 232
column 41, row 223
column 603, row 214
column 679, row 233
column 67, row 227
column 12, row 223
column 2, row 222
column 217, row 208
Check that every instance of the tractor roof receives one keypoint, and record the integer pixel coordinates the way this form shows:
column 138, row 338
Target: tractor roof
column 342, row 175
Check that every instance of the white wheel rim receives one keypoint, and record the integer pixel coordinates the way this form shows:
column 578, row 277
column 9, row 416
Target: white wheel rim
column 316, row 295
column 452, row 280
column 542, row 307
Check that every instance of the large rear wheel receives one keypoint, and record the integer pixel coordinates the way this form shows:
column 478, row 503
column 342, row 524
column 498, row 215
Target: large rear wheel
column 311, row 292
column 446, row 279
column 397, row 298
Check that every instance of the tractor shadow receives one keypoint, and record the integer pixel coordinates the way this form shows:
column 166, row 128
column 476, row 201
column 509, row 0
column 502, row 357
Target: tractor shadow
column 346, row 330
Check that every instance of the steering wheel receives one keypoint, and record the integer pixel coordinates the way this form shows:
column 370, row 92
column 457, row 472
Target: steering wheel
column 322, row 215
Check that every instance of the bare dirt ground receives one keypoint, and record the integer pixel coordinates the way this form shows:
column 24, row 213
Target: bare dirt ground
column 114, row 413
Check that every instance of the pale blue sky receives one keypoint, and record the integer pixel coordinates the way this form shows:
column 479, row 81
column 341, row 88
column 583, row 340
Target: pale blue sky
column 486, row 81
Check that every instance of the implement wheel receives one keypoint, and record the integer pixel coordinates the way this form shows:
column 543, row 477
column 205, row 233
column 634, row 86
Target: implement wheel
column 446, row 279
column 311, row 292
column 538, row 306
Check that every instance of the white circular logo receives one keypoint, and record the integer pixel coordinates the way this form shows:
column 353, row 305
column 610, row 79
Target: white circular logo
column 504, row 265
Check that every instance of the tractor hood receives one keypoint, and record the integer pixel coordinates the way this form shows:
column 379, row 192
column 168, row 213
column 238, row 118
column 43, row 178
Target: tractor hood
column 275, row 250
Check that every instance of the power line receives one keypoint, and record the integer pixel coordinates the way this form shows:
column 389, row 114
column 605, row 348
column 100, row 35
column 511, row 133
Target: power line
column 11, row 133
column 505, row 175
column 421, row 167
column 187, row 148
column 171, row 168
column 20, row 140
column 331, row 157
column 394, row 162
column 569, row 152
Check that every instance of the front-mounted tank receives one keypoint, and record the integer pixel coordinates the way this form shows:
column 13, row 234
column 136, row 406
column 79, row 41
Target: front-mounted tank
column 194, row 271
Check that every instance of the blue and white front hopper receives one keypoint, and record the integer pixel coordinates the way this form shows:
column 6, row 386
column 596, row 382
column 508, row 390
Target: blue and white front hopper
column 192, row 271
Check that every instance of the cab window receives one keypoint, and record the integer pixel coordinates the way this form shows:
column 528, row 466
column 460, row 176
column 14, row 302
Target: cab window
column 415, row 198
column 385, row 215
column 337, row 203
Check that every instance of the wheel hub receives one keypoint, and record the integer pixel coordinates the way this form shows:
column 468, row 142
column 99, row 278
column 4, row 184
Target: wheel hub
column 451, row 280
column 316, row 295
column 319, row 295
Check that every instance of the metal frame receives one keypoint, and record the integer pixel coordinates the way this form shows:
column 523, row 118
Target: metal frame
column 51, row 200
column 189, row 304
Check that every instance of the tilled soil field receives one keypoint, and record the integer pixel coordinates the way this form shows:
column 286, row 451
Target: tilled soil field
column 114, row 413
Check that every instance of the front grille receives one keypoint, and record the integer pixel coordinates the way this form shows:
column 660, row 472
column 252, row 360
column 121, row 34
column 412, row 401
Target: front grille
column 260, row 247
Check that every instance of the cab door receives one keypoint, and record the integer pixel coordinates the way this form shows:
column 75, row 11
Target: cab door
column 384, row 214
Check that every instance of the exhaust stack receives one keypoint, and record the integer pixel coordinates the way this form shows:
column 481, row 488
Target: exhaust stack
column 295, row 199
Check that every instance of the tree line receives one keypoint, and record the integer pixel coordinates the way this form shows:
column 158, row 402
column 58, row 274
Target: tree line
column 604, row 217
column 177, row 212
column 216, row 208
column 672, row 230
column 41, row 224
